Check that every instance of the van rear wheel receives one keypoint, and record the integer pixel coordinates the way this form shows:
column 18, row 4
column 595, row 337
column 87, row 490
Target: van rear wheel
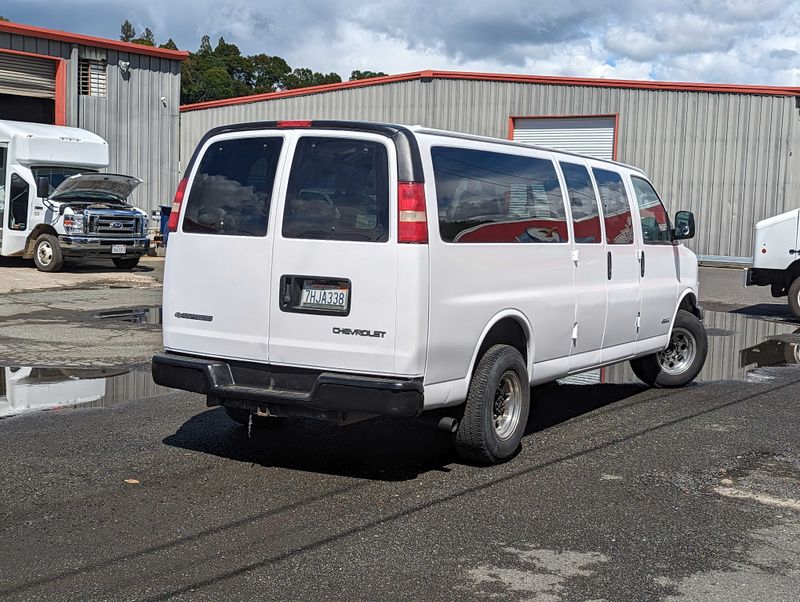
column 497, row 407
column 794, row 297
column 47, row 253
column 681, row 362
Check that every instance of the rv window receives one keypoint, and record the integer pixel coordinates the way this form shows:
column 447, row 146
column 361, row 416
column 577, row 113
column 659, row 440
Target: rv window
column 655, row 222
column 2, row 181
column 232, row 190
column 338, row 190
column 57, row 175
column 488, row 197
column 18, row 203
column 583, row 204
column 616, row 208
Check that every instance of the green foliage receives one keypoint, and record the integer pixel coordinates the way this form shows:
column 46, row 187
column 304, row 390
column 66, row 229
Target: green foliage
column 221, row 71
column 127, row 31
column 2, row 18
column 355, row 75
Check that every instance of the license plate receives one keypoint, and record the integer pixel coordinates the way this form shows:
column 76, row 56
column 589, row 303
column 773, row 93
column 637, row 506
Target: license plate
column 118, row 249
column 323, row 296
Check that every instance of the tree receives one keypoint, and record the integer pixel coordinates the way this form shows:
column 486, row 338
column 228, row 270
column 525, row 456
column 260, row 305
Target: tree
column 169, row 45
column 356, row 75
column 127, row 31
column 146, row 39
column 267, row 73
column 2, row 18
column 304, row 77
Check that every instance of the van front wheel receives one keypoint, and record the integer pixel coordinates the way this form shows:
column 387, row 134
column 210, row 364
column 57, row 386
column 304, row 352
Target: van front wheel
column 496, row 411
column 126, row 263
column 47, row 253
column 681, row 362
column 794, row 297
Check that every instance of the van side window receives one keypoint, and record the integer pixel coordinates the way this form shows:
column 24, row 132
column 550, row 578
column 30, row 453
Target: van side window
column 338, row 190
column 18, row 203
column 583, row 204
column 232, row 190
column 488, row 197
column 655, row 221
column 616, row 207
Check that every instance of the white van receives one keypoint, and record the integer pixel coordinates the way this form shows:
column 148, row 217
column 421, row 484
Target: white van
column 55, row 204
column 344, row 270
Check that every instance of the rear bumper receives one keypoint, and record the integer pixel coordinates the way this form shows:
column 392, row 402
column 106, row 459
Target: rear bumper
column 84, row 246
column 288, row 391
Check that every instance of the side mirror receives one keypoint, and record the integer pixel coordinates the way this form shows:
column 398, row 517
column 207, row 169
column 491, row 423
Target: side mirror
column 42, row 187
column 684, row 225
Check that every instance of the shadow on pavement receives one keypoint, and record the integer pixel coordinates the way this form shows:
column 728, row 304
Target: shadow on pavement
column 90, row 266
column 767, row 310
column 381, row 449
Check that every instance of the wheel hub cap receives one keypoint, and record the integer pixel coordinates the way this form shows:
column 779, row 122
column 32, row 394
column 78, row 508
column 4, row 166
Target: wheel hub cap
column 45, row 253
column 507, row 405
column 679, row 355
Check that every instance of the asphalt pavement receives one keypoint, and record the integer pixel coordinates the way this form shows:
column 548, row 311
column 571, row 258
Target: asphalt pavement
column 618, row 492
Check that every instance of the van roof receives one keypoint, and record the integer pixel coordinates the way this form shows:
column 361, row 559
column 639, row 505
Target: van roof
column 409, row 168
column 10, row 129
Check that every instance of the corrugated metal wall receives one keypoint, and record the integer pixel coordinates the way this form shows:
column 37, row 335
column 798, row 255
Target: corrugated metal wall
column 141, row 132
column 730, row 158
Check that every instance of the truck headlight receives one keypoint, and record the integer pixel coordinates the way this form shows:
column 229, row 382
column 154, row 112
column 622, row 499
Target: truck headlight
column 73, row 224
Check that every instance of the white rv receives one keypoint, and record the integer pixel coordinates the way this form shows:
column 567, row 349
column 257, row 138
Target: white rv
column 55, row 203
column 776, row 257
column 342, row 270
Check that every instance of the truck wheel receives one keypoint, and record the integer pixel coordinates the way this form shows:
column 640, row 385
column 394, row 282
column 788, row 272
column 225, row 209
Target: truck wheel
column 496, row 411
column 681, row 362
column 47, row 253
column 126, row 263
column 242, row 416
column 794, row 297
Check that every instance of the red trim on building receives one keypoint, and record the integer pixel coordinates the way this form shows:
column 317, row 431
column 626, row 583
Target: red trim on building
column 615, row 116
column 76, row 38
column 497, row 77
column 60, row 117
column 61, row 93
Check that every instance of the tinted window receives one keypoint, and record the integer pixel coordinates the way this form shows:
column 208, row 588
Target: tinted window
column 655, row 222
column 616, row 208
column 583, row 204
column 338, row 190
column 18, row 203
column 495, row 197
column 232, row 190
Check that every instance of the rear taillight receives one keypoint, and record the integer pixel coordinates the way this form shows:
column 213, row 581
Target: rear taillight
column 175, row 212
column 412, row 222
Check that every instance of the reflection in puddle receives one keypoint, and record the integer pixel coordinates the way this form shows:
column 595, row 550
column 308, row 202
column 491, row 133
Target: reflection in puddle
column 738, row 346
column 137, row 315
column 26, row 389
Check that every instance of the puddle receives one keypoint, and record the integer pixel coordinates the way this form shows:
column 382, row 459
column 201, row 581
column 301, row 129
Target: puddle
column 739, row 348
column 137, row 315
column 27, row 389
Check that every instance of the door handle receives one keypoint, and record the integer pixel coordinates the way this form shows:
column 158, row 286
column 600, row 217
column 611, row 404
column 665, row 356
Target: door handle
column 608, row 256
column 642, row 264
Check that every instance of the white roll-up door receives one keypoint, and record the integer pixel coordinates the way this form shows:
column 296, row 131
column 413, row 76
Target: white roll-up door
column 585, row 135
column 27, row 76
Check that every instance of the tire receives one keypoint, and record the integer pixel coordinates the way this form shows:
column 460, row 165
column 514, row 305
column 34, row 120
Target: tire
column 242, row 416
column 681, row 362
column 483, row 436
column 794, row 297
column 47, row 253
column 126, row 263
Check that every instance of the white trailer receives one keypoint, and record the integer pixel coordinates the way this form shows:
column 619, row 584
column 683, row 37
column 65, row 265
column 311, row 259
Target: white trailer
column 55, row 203
column 776, row 257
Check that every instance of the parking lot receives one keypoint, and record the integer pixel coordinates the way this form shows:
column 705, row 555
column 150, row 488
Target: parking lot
column 618, row 492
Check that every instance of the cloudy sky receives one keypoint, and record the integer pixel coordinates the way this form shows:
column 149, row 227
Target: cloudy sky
column 737, row 41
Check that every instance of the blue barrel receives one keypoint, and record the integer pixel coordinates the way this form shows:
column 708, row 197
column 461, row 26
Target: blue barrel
column 165, row 211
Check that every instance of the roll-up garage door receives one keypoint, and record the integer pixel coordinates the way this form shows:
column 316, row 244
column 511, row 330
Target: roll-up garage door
column 585, row 135
column 27, row 76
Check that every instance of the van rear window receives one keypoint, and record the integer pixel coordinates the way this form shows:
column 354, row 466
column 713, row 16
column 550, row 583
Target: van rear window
column 338, row 190
column 232, row 190
column 487, row 197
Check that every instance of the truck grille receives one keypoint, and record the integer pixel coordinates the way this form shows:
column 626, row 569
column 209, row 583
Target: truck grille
column 114, row 225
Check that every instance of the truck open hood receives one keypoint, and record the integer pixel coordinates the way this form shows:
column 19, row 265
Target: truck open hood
column 110, row 184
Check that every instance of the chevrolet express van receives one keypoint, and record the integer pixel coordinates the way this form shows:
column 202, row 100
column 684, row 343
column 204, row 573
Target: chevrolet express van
column 344, row 270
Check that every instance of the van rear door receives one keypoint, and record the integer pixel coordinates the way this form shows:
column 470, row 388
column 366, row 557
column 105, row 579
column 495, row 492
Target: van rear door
column 334, row 257
column 217, row 296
